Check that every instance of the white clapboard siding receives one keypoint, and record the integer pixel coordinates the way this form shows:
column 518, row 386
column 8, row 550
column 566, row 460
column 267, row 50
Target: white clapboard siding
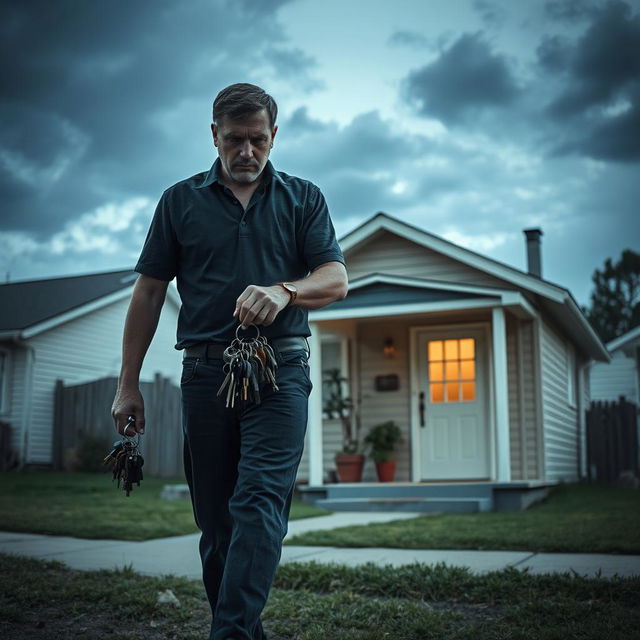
column 530, row 393
column 523, row 423
column 513, row 385
column 560, row 420
column 16, row 395
column 380, row 406
column 388, row 253
column 618, row 378
column 85, row 349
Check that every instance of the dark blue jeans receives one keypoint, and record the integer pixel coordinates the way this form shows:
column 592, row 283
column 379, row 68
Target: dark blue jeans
column 241, row 466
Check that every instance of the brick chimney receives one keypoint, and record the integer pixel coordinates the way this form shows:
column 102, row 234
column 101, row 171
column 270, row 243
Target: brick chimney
column 534, row 260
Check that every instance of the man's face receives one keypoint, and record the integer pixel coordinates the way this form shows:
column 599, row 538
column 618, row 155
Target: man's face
column 244, row 146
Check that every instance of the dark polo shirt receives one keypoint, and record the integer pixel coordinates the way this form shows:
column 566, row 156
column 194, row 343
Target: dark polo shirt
column 202, row 236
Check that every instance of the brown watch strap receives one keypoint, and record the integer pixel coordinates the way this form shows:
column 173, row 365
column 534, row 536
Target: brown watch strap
column 292, row 292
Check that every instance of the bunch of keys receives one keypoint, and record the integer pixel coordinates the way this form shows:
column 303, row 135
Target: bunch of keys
column 127, row 460
column 248, row 363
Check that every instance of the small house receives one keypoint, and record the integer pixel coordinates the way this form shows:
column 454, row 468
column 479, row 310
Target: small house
column 621, row 376
column 483, row 367
column 70, row 329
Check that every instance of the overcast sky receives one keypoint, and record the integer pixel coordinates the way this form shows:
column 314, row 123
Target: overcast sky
column 472, row 119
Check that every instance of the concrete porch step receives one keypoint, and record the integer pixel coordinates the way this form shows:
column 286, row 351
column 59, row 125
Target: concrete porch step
column 473, row 491
column 408, row 504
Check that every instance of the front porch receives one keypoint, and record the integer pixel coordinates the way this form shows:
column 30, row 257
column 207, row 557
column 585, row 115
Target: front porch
column 434, row 497
column 470, row 425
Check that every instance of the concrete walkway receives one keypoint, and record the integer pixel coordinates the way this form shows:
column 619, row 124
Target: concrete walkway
column 179, row 555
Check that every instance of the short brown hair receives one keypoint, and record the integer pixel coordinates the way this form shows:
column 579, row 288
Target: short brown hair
column 238, row 100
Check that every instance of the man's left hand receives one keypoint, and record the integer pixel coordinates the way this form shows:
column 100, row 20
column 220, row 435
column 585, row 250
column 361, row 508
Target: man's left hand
column 260, row 305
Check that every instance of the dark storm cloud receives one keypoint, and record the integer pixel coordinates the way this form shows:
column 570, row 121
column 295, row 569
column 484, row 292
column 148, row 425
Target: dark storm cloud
column 365, row 166
column 599, row 108
column 467, row 78
column 295, row 64
column 603, row 62
column 98, row 95
column 554, row 53
column 569, row 10
column 366, row 144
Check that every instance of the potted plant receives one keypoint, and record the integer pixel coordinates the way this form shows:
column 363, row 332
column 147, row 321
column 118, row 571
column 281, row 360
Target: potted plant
column 383, row 438
column 349, row 462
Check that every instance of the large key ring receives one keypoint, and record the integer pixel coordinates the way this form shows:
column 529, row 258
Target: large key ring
column 124, row 432
column 251, row 325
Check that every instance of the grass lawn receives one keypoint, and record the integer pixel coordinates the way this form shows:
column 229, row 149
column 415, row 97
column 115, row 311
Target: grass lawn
column 89, row 505
column 574, row 518
column 47, row 601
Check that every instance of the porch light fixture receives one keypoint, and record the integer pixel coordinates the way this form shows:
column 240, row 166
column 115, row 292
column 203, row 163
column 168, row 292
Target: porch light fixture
column 389, row 349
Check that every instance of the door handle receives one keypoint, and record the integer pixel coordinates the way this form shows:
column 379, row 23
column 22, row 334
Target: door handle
column 421, row 409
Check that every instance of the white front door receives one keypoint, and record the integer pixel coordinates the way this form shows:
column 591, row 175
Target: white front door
column 452, row 393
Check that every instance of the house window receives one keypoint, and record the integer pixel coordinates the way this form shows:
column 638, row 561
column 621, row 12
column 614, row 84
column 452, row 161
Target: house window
column 452, row 370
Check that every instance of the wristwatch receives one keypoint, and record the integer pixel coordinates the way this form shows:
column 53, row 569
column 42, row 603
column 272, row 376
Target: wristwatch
column 291, row 288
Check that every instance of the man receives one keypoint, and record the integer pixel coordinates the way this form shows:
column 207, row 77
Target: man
column 248, row 246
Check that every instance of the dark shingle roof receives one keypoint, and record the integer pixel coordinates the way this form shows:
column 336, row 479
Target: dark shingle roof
column 381, row 293
column 24, row 304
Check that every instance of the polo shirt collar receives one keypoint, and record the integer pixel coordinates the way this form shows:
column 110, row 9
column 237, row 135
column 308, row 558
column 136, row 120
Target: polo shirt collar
column 213, row 175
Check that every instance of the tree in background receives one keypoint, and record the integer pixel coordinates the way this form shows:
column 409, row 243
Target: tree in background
column 615, row 299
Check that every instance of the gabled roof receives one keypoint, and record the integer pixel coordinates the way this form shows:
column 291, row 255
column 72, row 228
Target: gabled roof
column 33, row 304
column 557, row 300
column 626, row 340
column 383, row 294
column 384, row 222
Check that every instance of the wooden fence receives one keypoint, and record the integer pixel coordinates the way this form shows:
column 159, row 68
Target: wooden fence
column 612, row 440
column 86, row 409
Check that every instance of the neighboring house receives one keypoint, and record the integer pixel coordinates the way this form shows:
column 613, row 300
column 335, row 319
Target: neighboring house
column 621, row 376
column 69, row 329
column 490, row 364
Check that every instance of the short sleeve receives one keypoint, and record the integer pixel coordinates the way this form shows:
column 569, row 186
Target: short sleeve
column 159, row 256
column 317, row 238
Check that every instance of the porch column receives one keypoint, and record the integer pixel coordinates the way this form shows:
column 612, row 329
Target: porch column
column 501, row 390
column 314, row 425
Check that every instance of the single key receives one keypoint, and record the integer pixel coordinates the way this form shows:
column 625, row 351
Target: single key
column 117, row 445
column 226, row 381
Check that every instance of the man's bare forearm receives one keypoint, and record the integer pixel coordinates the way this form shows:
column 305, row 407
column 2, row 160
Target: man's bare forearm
column 326, row 284
column 140, row 326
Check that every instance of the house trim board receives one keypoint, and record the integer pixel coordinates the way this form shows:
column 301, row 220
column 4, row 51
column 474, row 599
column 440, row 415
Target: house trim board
column 501, row 393
column 622, row 340
column 416, row 468
column 524, row 461
column 314, row 424
column 507, row 296
column 401, row 309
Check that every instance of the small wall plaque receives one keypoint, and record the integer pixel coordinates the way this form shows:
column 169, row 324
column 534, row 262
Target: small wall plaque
column 389, row 382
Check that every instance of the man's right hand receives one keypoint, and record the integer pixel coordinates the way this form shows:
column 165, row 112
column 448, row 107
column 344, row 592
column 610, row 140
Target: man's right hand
column 128, row 402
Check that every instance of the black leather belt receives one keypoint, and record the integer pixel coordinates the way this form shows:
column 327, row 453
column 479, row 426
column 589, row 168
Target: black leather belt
column 214, row 350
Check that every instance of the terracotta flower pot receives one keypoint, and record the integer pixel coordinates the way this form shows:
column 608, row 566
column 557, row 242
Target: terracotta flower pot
column 386, row 470
column 349, row 466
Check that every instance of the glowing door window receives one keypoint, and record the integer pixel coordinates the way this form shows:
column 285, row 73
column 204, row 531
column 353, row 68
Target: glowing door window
column 452, row 370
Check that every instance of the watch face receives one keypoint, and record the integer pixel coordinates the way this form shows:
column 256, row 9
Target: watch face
column 290, row 287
